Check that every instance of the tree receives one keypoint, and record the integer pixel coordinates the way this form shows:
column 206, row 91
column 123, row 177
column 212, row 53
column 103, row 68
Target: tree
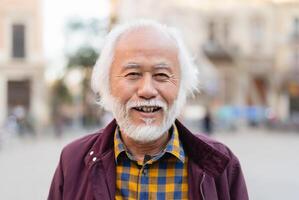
column 82, row 53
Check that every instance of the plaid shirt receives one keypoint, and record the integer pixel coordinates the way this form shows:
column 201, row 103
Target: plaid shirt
column 163, row 176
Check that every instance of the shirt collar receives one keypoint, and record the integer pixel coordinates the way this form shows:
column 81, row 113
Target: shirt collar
column 119, row 146
column 173, row 146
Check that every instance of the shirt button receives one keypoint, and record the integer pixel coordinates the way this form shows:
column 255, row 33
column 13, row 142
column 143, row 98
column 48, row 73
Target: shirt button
column 94, row 159
column 91, row 153
column 144, row 172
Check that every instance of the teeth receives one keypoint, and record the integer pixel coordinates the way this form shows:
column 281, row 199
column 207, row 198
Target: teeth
column 147, row 109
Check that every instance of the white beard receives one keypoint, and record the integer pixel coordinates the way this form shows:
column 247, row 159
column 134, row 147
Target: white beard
column 143, row 133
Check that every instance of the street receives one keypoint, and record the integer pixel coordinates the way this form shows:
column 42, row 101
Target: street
column 270, row 163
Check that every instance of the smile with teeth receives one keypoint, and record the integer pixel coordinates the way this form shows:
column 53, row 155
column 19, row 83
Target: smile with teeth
column 147, row 109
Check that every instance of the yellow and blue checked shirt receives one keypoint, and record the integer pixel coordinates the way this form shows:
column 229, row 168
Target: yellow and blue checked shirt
column 163, row 176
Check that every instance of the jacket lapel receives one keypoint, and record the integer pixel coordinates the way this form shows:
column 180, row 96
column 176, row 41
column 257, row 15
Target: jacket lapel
column 109, row 167
column 99, row 187
column 195, row 176
column 103, row 177
column 104, row 169
column 209, row 159
column 204, row 164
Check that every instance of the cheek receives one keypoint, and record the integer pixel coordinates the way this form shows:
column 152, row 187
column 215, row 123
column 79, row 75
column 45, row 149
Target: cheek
column 169, row 92
column 122, row 90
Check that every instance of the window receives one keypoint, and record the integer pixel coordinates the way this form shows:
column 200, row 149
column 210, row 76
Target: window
column 18, row 41
column 211, row 31
column 295, row 59
column 226, row 32
column 18, row 93
column 257, row 32
column 219, row 31
column 296, row 27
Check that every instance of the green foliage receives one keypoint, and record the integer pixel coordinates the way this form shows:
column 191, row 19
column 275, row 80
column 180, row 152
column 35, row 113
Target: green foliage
column 61, row 93
column 84, row 57
column 82, row 36
column 74, row 25
column 83, row 54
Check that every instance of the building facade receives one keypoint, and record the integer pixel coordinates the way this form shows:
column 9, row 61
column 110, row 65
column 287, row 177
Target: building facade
column 22, row 85
column 247, row 51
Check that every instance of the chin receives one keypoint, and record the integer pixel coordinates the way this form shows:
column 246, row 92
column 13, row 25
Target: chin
column 148, row 130
column 144, row 133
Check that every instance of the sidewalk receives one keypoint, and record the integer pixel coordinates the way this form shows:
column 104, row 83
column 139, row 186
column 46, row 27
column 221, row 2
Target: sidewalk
column 270, row 163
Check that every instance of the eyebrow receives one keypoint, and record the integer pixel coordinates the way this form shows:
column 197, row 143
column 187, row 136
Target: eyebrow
column 131, row 65
column 161, row 65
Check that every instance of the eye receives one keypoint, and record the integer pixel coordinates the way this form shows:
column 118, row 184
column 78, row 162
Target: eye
column 133, row 75
column 161, row 77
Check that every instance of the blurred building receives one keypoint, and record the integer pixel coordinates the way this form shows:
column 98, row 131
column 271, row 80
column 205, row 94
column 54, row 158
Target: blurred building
column 287, row 55
column 22, row 84
column 247, row 51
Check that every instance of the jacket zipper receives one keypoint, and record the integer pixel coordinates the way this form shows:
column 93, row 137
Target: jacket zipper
column 201, row 189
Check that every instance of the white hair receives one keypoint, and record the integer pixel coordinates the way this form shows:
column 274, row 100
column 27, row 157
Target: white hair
column 100, row 75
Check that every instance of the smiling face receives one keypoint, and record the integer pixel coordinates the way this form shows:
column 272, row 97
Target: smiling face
column 145, row 77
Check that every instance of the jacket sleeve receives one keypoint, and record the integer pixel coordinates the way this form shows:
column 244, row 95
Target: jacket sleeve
column 56, row 189
column 237, row 185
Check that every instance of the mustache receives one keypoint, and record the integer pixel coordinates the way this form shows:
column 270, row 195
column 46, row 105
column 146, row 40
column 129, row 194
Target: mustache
column 137, row 103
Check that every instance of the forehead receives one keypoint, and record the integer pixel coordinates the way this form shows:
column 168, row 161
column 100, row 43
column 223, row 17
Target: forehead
column 146, row 37
column 144, row 43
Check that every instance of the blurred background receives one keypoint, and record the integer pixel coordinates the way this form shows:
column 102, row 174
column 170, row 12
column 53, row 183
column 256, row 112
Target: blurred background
column 247, row 52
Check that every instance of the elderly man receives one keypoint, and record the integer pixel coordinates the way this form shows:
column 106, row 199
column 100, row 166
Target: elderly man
column 143, row 76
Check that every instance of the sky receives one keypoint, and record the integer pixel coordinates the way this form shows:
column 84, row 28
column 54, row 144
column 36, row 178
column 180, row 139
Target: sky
column 55, row 13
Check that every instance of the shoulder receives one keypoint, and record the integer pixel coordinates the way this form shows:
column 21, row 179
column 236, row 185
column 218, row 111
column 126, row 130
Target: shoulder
column 219, row 146
column 204, row 146
column 81, row 143
column 99, row 142
column 232, row 171
column 76, row 150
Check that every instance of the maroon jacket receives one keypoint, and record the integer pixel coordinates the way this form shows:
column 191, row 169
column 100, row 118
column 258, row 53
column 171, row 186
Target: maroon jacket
column 86, row 169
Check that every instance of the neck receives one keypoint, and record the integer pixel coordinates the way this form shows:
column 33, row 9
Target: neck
column 140, row 149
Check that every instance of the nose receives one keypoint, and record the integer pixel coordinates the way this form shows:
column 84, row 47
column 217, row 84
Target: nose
column 146, row 89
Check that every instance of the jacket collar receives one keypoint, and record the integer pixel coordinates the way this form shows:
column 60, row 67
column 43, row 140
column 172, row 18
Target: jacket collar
column 103, row 145
column 209, row 159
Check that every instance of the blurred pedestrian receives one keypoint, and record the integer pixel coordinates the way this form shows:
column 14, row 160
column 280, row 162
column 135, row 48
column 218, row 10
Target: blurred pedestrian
column 58, row 124
column 20, row 113
column 144, row 75
column 207, row 123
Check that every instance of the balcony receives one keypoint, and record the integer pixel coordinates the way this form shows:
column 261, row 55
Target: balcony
column 218, row 53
